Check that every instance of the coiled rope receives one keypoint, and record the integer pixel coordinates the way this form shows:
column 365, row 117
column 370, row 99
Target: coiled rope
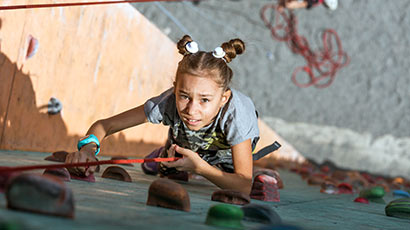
column 322, row 65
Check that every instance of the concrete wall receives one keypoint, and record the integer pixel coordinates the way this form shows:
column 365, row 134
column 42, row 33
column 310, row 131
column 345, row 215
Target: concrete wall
column 368, row 98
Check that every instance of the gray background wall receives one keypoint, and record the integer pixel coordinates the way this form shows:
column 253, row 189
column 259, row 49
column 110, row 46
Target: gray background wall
column 362, row 120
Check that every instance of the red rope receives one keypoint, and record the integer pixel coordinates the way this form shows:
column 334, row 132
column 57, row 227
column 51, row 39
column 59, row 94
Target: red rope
column 70, row 165
column 33, row 6
column 322, row 65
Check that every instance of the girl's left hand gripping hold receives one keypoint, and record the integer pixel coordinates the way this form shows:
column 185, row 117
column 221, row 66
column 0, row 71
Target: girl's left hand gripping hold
column 85, row 154
column 191, row 161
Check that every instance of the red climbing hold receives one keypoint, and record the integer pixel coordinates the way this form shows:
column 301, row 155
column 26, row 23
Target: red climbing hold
column 32, row 46
column 361, row 200
column 265, row 188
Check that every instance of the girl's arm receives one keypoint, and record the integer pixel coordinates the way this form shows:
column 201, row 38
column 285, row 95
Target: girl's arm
column 101, row 129
column 127, row 119
column 240, row 180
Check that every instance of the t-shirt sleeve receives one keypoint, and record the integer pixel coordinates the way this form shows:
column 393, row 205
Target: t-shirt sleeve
column 240, row 121
column 160, row 109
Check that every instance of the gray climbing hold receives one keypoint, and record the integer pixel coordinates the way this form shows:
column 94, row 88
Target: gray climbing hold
column 54, row 106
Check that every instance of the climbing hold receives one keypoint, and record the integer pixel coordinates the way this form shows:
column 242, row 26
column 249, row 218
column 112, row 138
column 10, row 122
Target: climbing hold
column 122, row 158
column 357, row 180
column 400, row 193
column 361, row 200
column 345, row 188
column 33, row 45
column 58, row 156
column 5, row 177
column 399, row 208
column 231, row 197
column 40, row 194
column 369, row 178
column 397, row 183
column 224, row 215
column 181, row 176
column 375, row 192
column 384, row 185
column 273, row 173
column 279, row 227
column 89, row 178
column 7, row 224
column 260, row 213
column 265, row 188
column 377, row 200
column 305, row 172
column 339, row 175
column 61, row 173
column 168, row 194
column 151, row 168
column 54, row 106
column 329, row 187
column 116, row 173
column 325, row 169
column 316, row 179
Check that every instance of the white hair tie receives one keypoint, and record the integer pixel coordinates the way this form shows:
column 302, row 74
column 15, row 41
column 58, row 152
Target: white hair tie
column 192, row 47
column 218, row 52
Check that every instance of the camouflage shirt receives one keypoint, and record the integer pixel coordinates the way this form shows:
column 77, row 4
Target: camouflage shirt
column 235, row 122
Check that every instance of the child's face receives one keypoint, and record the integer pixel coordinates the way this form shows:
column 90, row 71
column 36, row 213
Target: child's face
column 198, row 100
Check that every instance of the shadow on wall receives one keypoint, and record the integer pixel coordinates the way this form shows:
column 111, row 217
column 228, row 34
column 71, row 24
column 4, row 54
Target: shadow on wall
column 26, row 126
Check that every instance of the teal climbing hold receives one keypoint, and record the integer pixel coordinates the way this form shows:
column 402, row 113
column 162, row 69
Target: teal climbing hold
column 399, row 208
column 400, row 193
column 225, row 215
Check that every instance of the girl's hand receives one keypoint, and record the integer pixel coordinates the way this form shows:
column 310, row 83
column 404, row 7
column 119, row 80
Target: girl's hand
column 191, row 161
column 86, row 154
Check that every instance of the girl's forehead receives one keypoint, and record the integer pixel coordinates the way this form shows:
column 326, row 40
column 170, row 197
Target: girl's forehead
column 197, row 84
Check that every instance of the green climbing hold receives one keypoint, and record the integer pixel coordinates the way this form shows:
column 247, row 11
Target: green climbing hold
column 225, row 215
column 372, row 193
column 399, row 208
column 11, row 225
column 377, row 200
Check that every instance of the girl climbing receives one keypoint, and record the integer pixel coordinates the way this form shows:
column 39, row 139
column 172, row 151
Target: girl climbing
column 212, row 126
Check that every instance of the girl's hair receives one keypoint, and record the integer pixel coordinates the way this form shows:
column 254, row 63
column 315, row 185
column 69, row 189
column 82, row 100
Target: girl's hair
column 205, row 64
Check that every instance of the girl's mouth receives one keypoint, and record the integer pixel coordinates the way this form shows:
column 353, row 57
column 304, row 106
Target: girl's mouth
column 192, row 122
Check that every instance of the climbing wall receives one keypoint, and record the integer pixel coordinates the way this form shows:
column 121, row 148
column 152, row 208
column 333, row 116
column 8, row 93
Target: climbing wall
column 93, row 66
column 98, row 61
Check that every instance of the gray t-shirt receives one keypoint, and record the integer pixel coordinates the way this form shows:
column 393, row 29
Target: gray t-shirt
column 235, row 122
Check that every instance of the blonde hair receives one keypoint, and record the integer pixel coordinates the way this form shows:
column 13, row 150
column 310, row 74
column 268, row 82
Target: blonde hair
column 205, row 64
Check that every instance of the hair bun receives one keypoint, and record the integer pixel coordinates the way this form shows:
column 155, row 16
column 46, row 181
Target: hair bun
column 232, row 48
column 181, row 45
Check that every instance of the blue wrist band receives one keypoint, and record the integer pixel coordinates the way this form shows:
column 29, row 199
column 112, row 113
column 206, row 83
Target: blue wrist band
column 89, row 139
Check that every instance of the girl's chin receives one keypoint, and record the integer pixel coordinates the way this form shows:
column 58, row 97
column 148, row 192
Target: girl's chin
column 193, row 127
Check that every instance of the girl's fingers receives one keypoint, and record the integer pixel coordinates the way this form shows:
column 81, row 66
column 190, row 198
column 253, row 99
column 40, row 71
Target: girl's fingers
column 77, row 170
column 171, row 151
column 90, row 169
column 173, row 164
column 182, row 151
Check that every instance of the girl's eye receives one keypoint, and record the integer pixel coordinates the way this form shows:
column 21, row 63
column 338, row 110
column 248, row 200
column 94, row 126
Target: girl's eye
column 183, row 97
column 205, row 100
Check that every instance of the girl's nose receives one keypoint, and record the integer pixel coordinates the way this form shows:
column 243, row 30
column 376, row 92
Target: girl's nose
column 192, row 107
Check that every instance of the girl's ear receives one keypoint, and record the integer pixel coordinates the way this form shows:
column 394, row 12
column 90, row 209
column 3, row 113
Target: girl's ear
column 225, row 96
